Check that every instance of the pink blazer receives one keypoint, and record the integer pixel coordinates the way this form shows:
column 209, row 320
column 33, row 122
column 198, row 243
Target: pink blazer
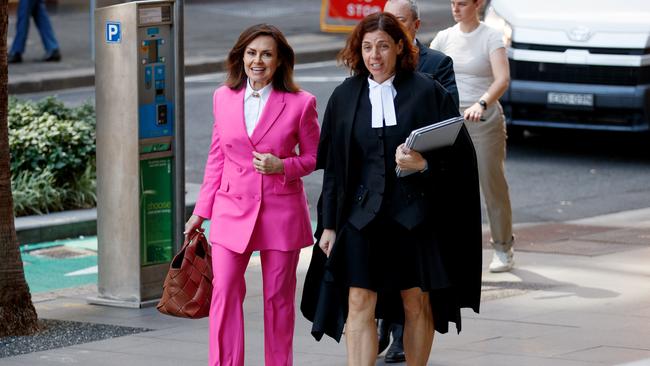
column 249, row 210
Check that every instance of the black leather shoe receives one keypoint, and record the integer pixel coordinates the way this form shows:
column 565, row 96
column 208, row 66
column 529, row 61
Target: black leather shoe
column 383, row 332
column 54, row 56
column 395, row 352
column 14, row 58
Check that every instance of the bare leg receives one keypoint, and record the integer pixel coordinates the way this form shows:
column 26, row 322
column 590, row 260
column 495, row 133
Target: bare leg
column 360, row 328
column 418, row 326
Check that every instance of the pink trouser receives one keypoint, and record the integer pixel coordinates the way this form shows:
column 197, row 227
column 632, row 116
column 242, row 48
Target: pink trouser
column 227, row 313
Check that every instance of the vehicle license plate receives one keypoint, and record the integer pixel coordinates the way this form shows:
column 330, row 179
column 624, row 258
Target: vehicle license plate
column 585, row 100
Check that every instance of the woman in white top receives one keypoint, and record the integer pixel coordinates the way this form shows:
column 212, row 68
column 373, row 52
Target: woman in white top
column 482, row 76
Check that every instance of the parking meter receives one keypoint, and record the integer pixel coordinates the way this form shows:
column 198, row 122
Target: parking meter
column 140, row 178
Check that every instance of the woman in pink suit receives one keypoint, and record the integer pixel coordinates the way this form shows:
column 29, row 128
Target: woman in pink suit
column 264, row 139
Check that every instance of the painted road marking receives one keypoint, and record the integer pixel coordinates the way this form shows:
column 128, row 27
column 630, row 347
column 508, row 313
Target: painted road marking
column 81, row 272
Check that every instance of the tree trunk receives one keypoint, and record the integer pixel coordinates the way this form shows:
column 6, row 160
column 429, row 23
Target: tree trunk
column 17, row 313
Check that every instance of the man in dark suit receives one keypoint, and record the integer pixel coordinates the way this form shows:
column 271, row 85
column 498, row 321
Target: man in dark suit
column 441, row 67
column 432, row 62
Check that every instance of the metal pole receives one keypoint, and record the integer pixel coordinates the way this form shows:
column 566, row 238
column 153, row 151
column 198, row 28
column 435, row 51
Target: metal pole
column 92, row 29
column 179, row 118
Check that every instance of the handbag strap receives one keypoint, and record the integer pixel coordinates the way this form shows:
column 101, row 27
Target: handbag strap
column 191, row 237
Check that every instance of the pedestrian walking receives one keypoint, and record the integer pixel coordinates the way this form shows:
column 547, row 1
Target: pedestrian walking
column 482, row 74
column 441, row 67
column 253, row 193
column 37, row 10
column 400, row 249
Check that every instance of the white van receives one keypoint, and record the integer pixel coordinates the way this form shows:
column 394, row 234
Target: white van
column 580, row 64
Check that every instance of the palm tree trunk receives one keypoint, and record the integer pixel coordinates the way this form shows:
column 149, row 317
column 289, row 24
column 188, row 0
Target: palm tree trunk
column 17, row 313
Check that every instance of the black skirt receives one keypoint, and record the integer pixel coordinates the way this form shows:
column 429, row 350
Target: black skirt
column 385, row 257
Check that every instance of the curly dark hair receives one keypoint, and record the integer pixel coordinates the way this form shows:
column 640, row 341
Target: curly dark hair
column 283, row 76
column 350, row 55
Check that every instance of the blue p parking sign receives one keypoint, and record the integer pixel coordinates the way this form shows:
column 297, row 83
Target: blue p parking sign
column 113, row 32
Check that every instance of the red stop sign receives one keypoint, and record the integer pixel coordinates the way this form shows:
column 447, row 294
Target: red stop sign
column 354, row 9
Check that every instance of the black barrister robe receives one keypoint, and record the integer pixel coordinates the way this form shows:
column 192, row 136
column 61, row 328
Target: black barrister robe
column 451, row 190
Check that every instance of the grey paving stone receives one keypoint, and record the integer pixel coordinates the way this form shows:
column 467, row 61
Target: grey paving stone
column 440, row 356
column 322, row 359
column 102, row 358
column 515, row 360
column 644, row 362
column 179, row 333
column 645, row 312
column 609, row 354
column 6, row 362
column 116, row 345
column 633, row 337
column 543, row 347
column 597, row 321
column 183, row 350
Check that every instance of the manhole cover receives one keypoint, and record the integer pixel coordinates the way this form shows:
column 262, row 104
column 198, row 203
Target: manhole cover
column 62, row 252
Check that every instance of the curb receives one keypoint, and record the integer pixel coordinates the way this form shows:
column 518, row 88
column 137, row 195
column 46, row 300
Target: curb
column 75, row 223
column 53, row 80
column 63, row 225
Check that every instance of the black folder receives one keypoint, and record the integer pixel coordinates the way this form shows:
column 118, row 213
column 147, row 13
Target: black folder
column 433, row 136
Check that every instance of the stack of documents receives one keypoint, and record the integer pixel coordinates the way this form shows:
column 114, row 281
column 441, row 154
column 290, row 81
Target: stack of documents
column 433, row 136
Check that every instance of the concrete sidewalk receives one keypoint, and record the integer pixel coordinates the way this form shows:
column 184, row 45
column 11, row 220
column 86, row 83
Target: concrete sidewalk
column 211, row 29
column 580, row 295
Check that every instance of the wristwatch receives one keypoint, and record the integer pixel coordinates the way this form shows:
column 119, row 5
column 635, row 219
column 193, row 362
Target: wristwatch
column 483, row 104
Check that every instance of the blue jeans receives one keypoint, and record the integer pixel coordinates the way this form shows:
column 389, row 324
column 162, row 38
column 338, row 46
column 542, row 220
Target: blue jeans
column 35, row 8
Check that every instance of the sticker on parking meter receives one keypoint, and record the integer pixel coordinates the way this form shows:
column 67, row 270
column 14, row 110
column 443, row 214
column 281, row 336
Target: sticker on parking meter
column 150, row 15
column 113, row 32
column 156, row 216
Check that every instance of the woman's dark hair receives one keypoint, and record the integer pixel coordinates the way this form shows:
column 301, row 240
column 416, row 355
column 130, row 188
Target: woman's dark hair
column 283, row 76
column 351, row 57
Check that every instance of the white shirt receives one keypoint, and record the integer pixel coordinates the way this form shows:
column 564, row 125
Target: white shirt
column 382, row 100
column 254, row 102
column 471, row 55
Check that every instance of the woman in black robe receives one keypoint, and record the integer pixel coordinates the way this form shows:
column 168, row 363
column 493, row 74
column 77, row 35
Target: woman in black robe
column 403, row 249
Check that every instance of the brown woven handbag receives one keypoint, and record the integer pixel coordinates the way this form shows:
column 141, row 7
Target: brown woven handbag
column 188, row 286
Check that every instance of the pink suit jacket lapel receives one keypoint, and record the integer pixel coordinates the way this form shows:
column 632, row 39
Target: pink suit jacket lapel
column 272, row 110
column 235, row 112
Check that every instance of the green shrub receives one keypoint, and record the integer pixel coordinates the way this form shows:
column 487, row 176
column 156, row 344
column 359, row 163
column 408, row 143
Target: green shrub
column 52, row 156
column 36, row 192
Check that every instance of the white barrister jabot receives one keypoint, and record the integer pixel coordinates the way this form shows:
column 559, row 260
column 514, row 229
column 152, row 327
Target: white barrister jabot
column 381, row 99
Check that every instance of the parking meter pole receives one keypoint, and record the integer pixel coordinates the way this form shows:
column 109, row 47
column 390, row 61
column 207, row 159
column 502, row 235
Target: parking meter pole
column 179, row 145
